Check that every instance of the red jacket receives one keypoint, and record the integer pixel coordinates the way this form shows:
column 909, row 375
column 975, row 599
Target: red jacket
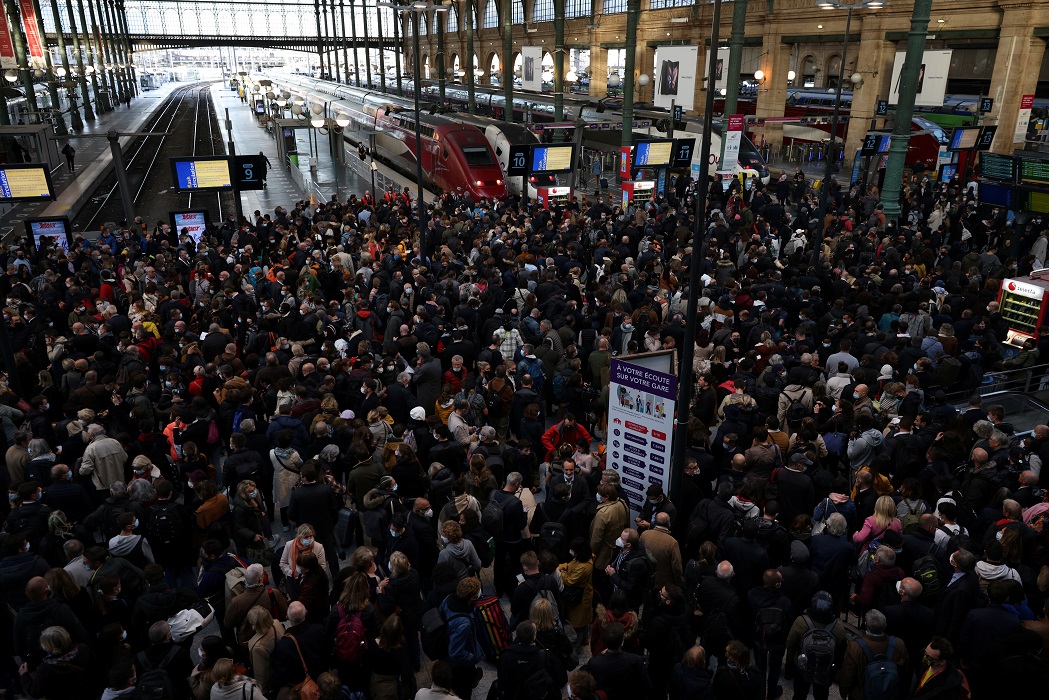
column 558, row 434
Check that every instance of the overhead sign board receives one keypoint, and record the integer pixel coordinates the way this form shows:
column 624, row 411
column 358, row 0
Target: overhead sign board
column 249, row 170
column 202, row 174
column 552, row 159
column 25, row 182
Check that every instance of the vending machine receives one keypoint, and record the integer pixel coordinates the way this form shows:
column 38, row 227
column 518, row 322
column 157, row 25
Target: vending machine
column 1024, row 302
column 553, row 196
column 637, row 189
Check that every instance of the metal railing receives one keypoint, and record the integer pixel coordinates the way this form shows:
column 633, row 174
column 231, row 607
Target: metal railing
column 1024, row 379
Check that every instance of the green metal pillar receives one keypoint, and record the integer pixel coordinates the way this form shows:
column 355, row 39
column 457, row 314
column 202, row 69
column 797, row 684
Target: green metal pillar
column 99, row 53
column 508, row 59
column 901, row 127
column 471, row 99
column 442, row 25
column 120, row 62
column 356, row 54
column 24, row 72
column 129, row 54
column 90, row 55
column 633, row 9
column 397, row 29
column 367, row 42
column 559, row 64
column 52, row 86
column 382, row 47
column 735, row 55
column 74, row 111
column 81, row 77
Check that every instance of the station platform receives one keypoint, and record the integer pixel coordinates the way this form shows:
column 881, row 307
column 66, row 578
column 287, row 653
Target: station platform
column 286, row 185
column 93, row 161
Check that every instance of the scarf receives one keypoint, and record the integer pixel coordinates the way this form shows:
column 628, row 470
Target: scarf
column 297, row 550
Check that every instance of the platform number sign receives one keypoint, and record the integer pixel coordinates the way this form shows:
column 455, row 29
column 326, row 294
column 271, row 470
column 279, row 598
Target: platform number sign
column 678, row 113
column 683, row 150
column 517, row 166
column 870, row 143
column 986, row 104
column 249, row 172
column 882, row 108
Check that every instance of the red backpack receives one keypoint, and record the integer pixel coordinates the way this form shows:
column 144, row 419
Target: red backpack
column 350, row 641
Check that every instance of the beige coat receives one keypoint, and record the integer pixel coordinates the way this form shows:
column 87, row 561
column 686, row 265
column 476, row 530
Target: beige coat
column 104, row 460
column 284, row 480
column 611, row 519
column 667, row 553
column 260, row 647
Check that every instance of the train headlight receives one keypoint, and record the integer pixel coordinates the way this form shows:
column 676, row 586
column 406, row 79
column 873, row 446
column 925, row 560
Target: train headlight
column 478, row 183
column 498, row 182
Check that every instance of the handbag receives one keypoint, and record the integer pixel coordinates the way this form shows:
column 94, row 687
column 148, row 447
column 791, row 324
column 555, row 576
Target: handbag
column 259, row 553
column 307, row 689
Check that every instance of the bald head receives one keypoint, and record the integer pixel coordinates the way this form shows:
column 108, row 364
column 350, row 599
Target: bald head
column 725, row 571
column 861, row 389
column 296, row 614
column 36, row 589
column 910, row 589
column 980, row 457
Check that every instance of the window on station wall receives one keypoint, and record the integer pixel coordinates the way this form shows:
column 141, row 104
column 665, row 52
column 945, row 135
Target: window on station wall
column 612, row 7
column 423, row 22
column 661, row 4
column 578, row 8
column 543, row 11
column 491, row 14
column 452, row 20
column 518, row 16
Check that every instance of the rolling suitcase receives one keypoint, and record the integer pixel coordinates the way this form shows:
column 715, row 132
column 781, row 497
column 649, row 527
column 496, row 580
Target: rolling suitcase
column 493, row 631
column 345, row 527
column 604, row 183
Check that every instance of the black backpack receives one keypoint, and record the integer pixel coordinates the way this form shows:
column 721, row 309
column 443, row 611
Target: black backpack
column 817, row 652
column 796, row 411
column 927, row 572
column 433, row 634
column 771, row 626
column 154, row 683
column 164, row 528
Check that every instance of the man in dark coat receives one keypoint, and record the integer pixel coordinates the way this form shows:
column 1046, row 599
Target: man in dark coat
column 315, row 503
column 522, row 660
column 910, row 620
column 399, row 399
column 621, row 675
column 832, row 554
column 961, row 596
column 285, row 662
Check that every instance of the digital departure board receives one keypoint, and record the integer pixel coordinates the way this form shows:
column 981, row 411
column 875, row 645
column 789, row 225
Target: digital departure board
column 25, row 181
column 653, row 153
column 996, row 166
column 965, row 138
column 552, row 159
column 996, row 195
column 202, row 174
column 1034, row 172
column 1036, row 202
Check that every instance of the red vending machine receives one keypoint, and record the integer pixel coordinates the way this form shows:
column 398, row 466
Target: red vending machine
column 1024, row 302
column 551, row 196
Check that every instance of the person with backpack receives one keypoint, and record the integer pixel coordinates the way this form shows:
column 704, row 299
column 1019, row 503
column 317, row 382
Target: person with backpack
column 504, row 518
column 875, row 665
column 462, row 645
column 527, row 671
column 773, row 613
column 533, row 585
column 162, row 662
column 129, row 545
column 816, row 645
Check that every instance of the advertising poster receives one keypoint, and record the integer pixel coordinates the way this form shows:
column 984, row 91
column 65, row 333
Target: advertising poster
column 675, row 74
column 32, row 33
column 195, row 223
column 532, row 68
column 932, row 78
column 719, row 70
column 47, row 233
column 640, row 428
column 1023, row 118
column 733, row 138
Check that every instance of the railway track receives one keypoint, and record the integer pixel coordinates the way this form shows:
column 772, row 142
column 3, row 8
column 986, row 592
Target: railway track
column 187, row 110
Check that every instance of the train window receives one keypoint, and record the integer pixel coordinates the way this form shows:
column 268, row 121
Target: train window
column 444, row 153
column 477, row 156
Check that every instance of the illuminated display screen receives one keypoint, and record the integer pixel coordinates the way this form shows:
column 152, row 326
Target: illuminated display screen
column 202, row 173
column 1034, row 172
column 1037, row 202
column 48, row 232
column 998, row 167
column 21, row 182
column 654, row 153
column 552, row 159
column 964, row 139
column 996, row 195
column 193, row 223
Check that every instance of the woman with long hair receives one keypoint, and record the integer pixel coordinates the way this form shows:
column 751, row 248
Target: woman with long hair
column 408, row 472
column 480, row 482
column 547, row 634
column 312, row 590
column 355, row 600
column 402, row 593
column 290, row 561
column 249, row 519
column 110, row 607
column 874, row 526
column 391, row 666
column 286, row 467
column 265, row 633
column 229, row 685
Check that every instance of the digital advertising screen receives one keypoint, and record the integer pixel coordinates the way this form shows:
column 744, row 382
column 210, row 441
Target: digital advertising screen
column 25, row 182
column 947, row 171
column 194, row 222
column 653, row 153
column 53, row 231
column 202, row 174
column 552, row 159
column 965, row 138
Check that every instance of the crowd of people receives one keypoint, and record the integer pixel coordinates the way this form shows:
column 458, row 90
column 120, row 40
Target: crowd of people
column 279, row 461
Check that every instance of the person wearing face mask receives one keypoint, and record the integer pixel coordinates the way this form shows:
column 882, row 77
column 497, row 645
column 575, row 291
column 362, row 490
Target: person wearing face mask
column 580, row 490
column 303, row 542
column 655, row 502
column 251, row 527
column 381, row 504
column 937, row 675
column 315, row 502
column 629, row 569
column 401, row 539
column 129, row 544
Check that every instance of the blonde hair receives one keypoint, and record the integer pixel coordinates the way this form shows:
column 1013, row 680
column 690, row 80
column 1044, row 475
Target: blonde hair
column 399, row 564
column 542, row 615
column 223, row 671
column 304, row 530
column 884, row 512
column 260, row 619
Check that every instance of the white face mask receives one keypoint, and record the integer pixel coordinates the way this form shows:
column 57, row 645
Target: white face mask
column 620, row 543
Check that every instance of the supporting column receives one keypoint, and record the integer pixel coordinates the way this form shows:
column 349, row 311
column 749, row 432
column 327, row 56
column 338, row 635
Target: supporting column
column 735, row 55
column 598, row 71
column 74, row 111
column 772, row 95
column 320, row 36
column 52, row 87
column 342, row 36
column 381, row 38
column 118, row 49
column 441, row 81
column 18, row 38
column 397, row 53
column 901, row 127
column 1015, row 68
column 335, row 44
column 129, row 54
column 99, row 57
column 367, row 42
column 508, row 59
column 559, row 64
column 356, row 56
column 91, row 54
column 471, row 102
column 875, row 55
column 633, row 9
